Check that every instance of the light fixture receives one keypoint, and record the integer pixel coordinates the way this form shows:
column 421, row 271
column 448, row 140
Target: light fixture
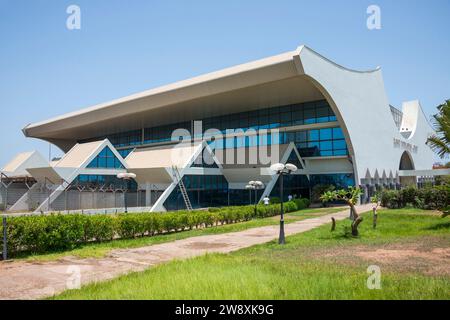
column 126, row 176
column 281, row 170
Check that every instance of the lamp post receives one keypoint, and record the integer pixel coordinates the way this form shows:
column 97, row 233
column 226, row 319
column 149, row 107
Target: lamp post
column 281, row 170
column 126, row 176
column 255, row 185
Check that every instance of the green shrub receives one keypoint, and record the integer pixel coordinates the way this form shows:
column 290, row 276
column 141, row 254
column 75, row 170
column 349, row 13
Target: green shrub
column 43, row 233
column 408, row 195
column 429, row 198
column 99, row 228
column 302, row 203
column 275, row 200
column 391, row 199
column 432, row 198
column 318, row 190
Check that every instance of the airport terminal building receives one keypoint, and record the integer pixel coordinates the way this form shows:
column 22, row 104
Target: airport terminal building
column 193, row 143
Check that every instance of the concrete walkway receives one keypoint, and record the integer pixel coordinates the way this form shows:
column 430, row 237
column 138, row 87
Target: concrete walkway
column 34, row 280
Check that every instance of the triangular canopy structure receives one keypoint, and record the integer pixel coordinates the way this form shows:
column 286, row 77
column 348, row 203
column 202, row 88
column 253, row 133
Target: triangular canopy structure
column 18, row 166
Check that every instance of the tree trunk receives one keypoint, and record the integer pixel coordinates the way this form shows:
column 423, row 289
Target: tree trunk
column 375, row 217
column 355, row 225
column 333, row 224
column 354, row 215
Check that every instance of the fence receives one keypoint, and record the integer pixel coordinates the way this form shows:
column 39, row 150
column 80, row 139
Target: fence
column 72, row 198
column 11, row 193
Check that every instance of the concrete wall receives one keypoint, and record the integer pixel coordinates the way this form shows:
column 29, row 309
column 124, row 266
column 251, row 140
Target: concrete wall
column 361, row 105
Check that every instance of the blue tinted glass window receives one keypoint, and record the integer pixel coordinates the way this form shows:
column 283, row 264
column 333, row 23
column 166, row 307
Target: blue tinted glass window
column 301, row 136
column 340, row 152
column 326, row 153
column 326, row 145
column 326, row 134
column 339, row 144
column 313, row 135
column 322, row 114
column 337, row 133
column 105, row 160
column 309, row 115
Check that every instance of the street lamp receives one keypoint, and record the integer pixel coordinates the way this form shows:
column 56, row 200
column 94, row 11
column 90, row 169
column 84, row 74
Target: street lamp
column 254, row 185
column 126, row 176
column 281, row 170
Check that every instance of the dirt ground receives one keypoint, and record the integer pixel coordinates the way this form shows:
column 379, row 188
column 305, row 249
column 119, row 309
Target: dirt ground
column 426, row 255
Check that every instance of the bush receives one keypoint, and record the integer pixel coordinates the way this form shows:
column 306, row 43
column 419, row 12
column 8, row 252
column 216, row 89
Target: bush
column 43, row 233
column 391, row 199
column 318, row 190
column 408, row 195
column 302, row 203
column 429, row 198
column 99, row 228
column 275, row 200
column 432, row 198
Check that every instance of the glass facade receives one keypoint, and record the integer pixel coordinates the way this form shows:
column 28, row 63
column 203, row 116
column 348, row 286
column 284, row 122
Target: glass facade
column 274, row 117
column 203, row 191
column 205, row 160
column 299, row 123
column 339, row 180
column 125, row 152
column 105, row 160
column 91, row 180
column 294, row 184
column 311, row 143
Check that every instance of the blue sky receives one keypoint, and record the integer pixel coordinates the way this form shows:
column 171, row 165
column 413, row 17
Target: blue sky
column 125, row 47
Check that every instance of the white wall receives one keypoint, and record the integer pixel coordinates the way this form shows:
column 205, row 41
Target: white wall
column 362, row 108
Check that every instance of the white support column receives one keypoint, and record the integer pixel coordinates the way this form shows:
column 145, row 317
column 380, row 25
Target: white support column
column 148, row 195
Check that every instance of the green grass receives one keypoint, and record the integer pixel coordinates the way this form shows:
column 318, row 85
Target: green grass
column 98, row 250
column 270, row 271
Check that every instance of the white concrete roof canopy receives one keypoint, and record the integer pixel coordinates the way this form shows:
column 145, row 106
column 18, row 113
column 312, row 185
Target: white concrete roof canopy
column 18, row 166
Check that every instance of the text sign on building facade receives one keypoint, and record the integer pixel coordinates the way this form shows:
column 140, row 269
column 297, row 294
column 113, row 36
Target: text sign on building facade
column 405, row 145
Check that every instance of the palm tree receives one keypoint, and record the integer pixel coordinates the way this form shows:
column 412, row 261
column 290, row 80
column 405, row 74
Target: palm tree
column 440, row 142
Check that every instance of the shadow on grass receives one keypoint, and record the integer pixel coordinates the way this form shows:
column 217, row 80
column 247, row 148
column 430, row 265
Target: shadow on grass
column 439, row 226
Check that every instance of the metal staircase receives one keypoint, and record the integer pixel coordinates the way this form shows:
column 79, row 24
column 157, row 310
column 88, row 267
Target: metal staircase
column 180, row 183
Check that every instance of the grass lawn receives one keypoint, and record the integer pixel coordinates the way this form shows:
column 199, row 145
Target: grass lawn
column 410, row 246
column 98, row 250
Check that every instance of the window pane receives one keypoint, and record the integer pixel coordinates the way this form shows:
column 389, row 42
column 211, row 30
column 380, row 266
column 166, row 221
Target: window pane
column 326, row 145
column 322, row 114
column 337, row 133
column 326, row 134
column 310, row 116
column 285, row 119
column 339, row 144
column 313, row 135
column 101, row 162
column 340, row 152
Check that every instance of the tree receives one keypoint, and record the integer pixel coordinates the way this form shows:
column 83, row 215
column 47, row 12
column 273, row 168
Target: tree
column 350, row 197
column 440, row 142
column 376, row 200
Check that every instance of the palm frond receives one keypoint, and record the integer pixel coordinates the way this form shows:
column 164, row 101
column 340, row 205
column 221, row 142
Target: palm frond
column 440, row 142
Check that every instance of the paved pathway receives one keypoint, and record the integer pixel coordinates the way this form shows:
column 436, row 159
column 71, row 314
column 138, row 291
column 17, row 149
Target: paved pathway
column 34, row 280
